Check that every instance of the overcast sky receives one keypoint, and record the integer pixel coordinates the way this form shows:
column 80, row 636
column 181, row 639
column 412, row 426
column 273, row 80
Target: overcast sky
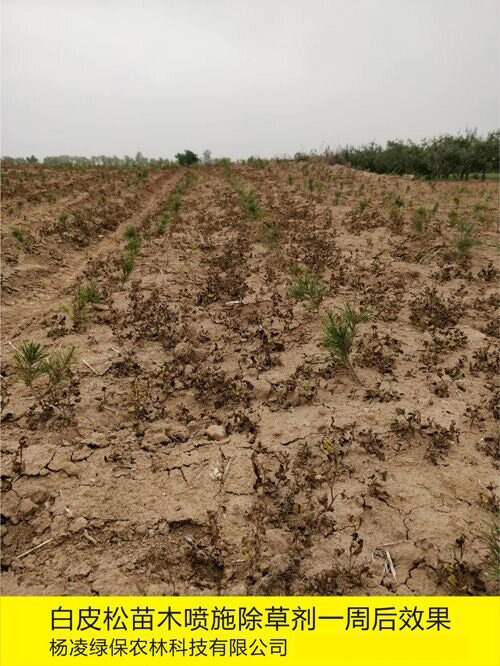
column 242, row 77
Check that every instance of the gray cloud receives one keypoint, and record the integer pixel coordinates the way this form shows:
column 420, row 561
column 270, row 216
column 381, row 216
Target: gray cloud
column 242, row 77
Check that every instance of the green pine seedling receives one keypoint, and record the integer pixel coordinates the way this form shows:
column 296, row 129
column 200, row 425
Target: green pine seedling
column 29, row 359
column 21, row 236
column 57, row 366
column 307, row 286
column 134, row 240
column 270, row 231
column 362, row 205
column 339, row 331
column 419, row 219
column 491, row 540
column 77, row 310
column 162, row 225
column 466, row 238
column 127, row 265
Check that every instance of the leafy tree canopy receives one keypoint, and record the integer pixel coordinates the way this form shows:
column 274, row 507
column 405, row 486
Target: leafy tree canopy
column 187, row 158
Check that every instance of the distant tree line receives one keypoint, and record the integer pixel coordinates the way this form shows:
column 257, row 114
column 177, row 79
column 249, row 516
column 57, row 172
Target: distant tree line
column 187, row 158
column 442, row 157
column 95, row 160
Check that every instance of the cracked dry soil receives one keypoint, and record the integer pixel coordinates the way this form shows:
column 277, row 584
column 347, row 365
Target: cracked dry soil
column 210, row 446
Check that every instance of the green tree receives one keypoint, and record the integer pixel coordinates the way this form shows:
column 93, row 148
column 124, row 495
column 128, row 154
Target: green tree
column 187, row 158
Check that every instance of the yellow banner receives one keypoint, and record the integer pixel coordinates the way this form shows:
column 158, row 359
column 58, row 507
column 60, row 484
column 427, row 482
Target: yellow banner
column 292, row 631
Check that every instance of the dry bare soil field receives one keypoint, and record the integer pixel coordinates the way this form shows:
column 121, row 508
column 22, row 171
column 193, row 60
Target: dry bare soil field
column 200, row 439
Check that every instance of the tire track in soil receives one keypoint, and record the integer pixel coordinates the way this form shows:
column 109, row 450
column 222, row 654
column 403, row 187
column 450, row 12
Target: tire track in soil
column 17, row 314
